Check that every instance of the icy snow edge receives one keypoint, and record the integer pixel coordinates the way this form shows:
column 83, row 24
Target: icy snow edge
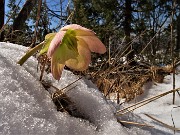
column 26, row 107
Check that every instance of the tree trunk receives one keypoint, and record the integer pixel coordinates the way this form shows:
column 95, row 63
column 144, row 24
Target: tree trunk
column 23, row 14
column 2, row 8
column 127, row 30
column 178, row 34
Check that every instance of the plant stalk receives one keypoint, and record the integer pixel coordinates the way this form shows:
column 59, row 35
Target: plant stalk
column 30, row 53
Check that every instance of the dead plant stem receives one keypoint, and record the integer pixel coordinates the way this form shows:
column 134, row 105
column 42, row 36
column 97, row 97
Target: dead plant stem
column 166, row 125
column 172, row 48
column 144, row 102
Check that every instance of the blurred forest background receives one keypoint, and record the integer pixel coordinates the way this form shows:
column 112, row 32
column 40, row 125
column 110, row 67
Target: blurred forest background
column 134, row 31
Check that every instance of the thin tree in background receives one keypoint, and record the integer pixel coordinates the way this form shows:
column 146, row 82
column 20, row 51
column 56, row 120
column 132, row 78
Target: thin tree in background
column 127, row 30
column 37, row 22
column 178, row 32
column 2, row 12
column 14, row 9
column 23, row 14
column 172, row 48
column 41, row 18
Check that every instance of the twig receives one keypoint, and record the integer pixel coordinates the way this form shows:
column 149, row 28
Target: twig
column 172, row 117
column 166, row 125
column 144, row 102
column 72, row 83
column 172, row 47
column 59, row 92
column 62, row 90
column 134, row 123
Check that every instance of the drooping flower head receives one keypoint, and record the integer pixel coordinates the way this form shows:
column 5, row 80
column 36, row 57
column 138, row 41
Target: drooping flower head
column 72, row 46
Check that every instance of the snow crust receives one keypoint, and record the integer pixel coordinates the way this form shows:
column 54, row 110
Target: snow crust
column 27, row 109
column 162, row 109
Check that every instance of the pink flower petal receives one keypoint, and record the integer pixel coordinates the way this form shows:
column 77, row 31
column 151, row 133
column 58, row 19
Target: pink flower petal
column 94, row 44
column 87, row 42
column 80, row 32
column 56, row 68
column 82, row 61
column 57, row 40
column 74, row 27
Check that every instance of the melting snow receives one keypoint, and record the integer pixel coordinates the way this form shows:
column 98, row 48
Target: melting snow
column 27, row 109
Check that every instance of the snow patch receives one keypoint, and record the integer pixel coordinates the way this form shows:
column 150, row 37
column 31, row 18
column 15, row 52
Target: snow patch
column 26, row 107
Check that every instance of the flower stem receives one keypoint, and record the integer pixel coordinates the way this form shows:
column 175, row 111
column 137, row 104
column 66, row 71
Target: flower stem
column 30, row 53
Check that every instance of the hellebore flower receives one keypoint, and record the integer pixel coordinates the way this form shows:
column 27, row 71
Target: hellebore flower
column 72, row 46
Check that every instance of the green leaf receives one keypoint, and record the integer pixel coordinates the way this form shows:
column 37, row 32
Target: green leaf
column 48, row 38
column 70, row 40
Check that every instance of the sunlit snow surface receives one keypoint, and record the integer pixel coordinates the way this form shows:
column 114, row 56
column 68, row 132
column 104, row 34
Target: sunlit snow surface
column 27, row 109
column 162, row 108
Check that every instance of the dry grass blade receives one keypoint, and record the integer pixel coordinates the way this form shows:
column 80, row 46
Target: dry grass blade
column 172, row 117
column 59, row 97
column 135, row 123
column 166, row 125
column 144, row 102
column 60, row 91
column 72, row 83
